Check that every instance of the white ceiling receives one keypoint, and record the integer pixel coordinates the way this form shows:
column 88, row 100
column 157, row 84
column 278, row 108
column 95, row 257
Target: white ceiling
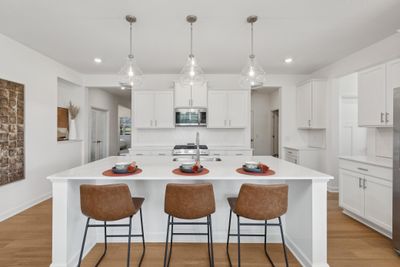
column 313, row 32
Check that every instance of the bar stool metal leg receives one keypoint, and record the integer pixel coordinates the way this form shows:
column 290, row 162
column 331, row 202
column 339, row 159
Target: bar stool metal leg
column 265, row 244
column 283, row 242
column 83, row 242
column 129, row 242
column 238, row 233
column 166, row 243
column 171, row 241
column 143, row 242
column 105, row 244
column 229, row 234
column 212, row 242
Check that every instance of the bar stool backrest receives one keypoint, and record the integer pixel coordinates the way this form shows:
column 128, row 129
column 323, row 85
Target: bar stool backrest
column 106, row 202
column 189, row 201
column 262, row 202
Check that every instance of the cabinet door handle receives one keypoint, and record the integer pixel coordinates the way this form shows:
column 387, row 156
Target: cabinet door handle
column 309, row 123
column 225, row 122
column 363, row 169
column 382, row 114
column 151, row 123
column 229, row 122
column 359, row 183
column 155, row 123
column 364, row 183
column 387, row 117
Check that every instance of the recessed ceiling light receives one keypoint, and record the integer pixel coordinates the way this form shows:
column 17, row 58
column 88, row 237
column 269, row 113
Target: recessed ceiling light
column 288, row 60
column 97, row 60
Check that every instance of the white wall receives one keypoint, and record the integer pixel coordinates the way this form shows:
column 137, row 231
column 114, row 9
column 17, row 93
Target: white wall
column 100, row 99
column 377, row 53
column 43, row 154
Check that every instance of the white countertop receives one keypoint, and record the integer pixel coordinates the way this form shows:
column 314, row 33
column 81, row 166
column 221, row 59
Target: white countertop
column 160, row 168
column 210, row 147
column 378, row 161
column 299, row 147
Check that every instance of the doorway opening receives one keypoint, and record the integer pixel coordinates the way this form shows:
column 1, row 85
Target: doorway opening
column 109, row 128
column 265, row 122
column 98, row 134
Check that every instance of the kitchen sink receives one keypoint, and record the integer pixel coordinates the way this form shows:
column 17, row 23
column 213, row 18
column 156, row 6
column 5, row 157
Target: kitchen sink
column 183, row 159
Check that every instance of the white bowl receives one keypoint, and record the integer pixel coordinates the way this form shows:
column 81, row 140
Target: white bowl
column 251, row 164
column 122, row 165
column 188, row 164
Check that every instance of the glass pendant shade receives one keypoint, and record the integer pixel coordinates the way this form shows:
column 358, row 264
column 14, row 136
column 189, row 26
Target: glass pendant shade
column 252, row 74
column 191, row 73
column 133, row 75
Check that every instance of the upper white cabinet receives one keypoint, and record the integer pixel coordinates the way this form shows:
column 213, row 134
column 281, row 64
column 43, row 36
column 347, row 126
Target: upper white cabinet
column 310, row 105
column 153, row 109
column 392, row 81
column 372, row 96
column 190, row 96
column 228, row 109
column 375, row 94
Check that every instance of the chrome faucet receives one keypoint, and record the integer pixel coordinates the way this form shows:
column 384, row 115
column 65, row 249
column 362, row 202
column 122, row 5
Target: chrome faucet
column 197, row 146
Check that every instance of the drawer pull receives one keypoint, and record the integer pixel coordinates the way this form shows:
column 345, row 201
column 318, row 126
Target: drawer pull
column 239, row 154
column 363, row 169
column 161, row 154
column 139, row 154
column 365, row 184
column 216, row 154
column 359, row 183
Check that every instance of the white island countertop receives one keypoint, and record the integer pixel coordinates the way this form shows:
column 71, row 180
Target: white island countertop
column 160, row 168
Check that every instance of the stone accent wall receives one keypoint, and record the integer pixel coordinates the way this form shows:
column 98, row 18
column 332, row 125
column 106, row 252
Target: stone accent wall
column 12, row 162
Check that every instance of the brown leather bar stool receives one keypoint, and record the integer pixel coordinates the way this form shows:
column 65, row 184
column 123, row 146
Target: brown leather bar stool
column 189, row 202
column 110, row 203
column 258, row 202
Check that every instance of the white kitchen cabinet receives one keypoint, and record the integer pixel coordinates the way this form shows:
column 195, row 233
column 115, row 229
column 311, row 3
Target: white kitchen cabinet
column 375, row 94
column 351, row 192
column 228, row 108
column 311, row 105
column 372, row 96
column 304, row 156
column 143, row 109
column 365, row 193
column 153, row 109
column 392, row 81
column 190, row 96
column 231, row 152
column 378, row 201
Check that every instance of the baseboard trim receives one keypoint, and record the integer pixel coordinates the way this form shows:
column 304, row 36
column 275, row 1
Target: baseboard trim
column 14, row 211
column 333, row 189
column 368, row 223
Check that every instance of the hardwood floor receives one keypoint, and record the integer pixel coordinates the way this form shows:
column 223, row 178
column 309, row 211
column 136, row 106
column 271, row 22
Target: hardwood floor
column 25, row 240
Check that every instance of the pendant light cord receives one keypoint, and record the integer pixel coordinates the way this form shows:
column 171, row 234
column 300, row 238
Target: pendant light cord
column 130, row 40
column 191, row 39
column 252, row 41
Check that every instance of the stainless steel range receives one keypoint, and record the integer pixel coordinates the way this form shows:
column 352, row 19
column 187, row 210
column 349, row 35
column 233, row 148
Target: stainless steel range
column 190, row 150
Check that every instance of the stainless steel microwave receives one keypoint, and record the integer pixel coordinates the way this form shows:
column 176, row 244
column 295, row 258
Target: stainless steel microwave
column 190, row 117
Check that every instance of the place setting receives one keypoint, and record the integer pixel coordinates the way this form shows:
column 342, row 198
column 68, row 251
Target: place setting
column 255, row 169
column 191, row 168
column 123, row 169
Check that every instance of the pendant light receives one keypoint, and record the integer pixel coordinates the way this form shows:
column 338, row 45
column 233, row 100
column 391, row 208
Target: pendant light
column 252, row 74
column 191, row 72
column 133, row 76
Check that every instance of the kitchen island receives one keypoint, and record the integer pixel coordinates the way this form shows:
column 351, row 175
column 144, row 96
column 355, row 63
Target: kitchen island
column 305, row 223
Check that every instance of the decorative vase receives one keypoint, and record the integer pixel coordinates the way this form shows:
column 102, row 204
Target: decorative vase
column 72, row 131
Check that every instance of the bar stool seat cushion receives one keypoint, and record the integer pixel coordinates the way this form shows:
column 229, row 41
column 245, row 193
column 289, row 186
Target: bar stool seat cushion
column 189, row 201
column 108, row 202
column 260, row 202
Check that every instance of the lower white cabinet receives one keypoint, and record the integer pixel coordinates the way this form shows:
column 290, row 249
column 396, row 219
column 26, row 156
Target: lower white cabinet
column 366, row 197
column 231, row 152
column 304, row 156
